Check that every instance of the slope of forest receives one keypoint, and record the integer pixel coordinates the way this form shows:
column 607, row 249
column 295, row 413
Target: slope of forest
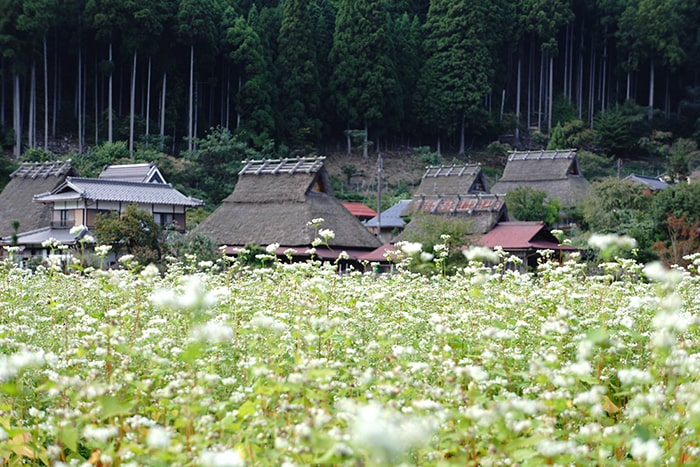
column 301, row 73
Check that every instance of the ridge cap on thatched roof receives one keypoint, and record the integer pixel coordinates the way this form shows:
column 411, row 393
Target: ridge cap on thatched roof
column 42, row 169
column 543, row 154
column 453, row 170
column 307, row 165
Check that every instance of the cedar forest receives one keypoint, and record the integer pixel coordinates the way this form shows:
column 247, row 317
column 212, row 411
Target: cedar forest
column 213, row 82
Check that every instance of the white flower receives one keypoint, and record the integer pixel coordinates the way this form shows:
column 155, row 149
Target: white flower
column 77, row 230
column 11, row 365
column 212, row 332
column 411, row 248
column 272, row 248
column 633, row 375
column 102, row 250
column 386, row 433
column 326, row 234
column 158, row 437
column 647, row 451
column 606, row 241
column 227, row 458
column 426, row 257
column 655, row 271
column 88, row 239
column 190, row 294
column 99, row 433
column 480, row 253
column 126, row 259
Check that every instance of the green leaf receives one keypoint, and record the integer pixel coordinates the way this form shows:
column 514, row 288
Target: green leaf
column 69, row 437
column 248, row 408
column 113, row 407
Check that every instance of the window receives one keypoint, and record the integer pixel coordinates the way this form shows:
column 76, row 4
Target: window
column 64, row 218
column 164, row 219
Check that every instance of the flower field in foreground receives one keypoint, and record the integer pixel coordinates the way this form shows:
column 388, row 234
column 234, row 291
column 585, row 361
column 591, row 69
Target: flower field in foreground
column 296, row 365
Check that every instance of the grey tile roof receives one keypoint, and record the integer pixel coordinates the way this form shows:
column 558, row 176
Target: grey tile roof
column 146, row 172
column 651, row 182
column 391, row 217
column 118, row 191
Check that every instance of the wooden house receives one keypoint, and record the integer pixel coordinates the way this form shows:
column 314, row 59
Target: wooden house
column 524, row 240
column 557, row 173
column 273, row 203
column 457, row 192
column 389, row 225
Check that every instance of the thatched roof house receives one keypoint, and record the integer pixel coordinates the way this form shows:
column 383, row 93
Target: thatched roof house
column 30, row 178
column 273, row 202
column 557, row 173
column 458, row 192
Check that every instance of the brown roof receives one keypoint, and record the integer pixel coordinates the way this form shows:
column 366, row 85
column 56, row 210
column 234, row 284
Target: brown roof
column 16, row 200
column 557, row 173
column 521, row 236
column 359, row 210
column 275, row 199
column 483, row 211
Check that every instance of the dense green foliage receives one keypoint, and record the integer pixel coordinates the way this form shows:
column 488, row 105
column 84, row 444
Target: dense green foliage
column 302, row 72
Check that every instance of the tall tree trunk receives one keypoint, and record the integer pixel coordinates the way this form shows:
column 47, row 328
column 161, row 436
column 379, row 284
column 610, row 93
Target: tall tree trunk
column 56, row 93
column 566, row 60
column 46, row 98
column 651, row 88
column 191, row 108
column 17, row 117
column 604, row 72
column 238, row 113
column 78, row 99
column 2, row 93
column 97, row 103
column 228, row 100
column 591, row 89
column 550, row 99
column 132, row 106
column 540, row 96
column 148, row 101
column 31, row 123
column 667, row 96
column 438, row 146
column 517, row 100
column 365, row 149
column 197, row 92
column 110, row 97
column 461, row 134
column 162, row 112
column 579, row 80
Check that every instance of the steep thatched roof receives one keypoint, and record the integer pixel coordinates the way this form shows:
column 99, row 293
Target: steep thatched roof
column 30, row 179
column 275, row 199
column 557, row 173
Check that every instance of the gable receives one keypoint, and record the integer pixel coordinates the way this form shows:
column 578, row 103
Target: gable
column 541, row 165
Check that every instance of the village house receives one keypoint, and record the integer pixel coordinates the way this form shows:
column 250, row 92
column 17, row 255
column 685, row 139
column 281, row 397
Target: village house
column 556, row 172
column 388, row 225
column 458, row 192
column 77, row 201
column 274, row 203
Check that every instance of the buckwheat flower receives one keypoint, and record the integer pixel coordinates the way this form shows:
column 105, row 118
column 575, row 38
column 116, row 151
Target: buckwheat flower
column 606, row 241
column 88, row 239
column 272, row 248
column 655, row 271
column 386, row 433
column 3, row 434
column 426, row 257
column 150, row 272
column 99, row 433
column 411, row 248
column 11, row 365
column 189, row 295
column 647, row 451
column 158, row 437
column 226, row 458
column 315, row 222
column 480, row 253
column 126, row 259
column 633, row 376
column 212, row 332
column 343, row 255
column 326, row 234
column 102, row 250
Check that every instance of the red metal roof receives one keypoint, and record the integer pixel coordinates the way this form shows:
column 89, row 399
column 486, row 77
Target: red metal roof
column 359, row 210
column 521, row 236
column 380, row 254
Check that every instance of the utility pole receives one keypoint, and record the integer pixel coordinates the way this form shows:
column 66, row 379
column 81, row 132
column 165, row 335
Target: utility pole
column 380, row 168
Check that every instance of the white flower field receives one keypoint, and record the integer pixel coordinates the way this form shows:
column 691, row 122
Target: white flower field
column 297, row 365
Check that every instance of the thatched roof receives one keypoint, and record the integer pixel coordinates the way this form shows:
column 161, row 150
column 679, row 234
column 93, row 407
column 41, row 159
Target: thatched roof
column 557, row 173
column 30, row 179
column 275, row 199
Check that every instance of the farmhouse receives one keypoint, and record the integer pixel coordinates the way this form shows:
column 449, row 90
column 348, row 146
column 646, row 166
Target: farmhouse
column 77, row 201
column 275, row 201
column 389, row 224
column 456, row 192
column 557, row 173
column 651, row 184
column 524, row 240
